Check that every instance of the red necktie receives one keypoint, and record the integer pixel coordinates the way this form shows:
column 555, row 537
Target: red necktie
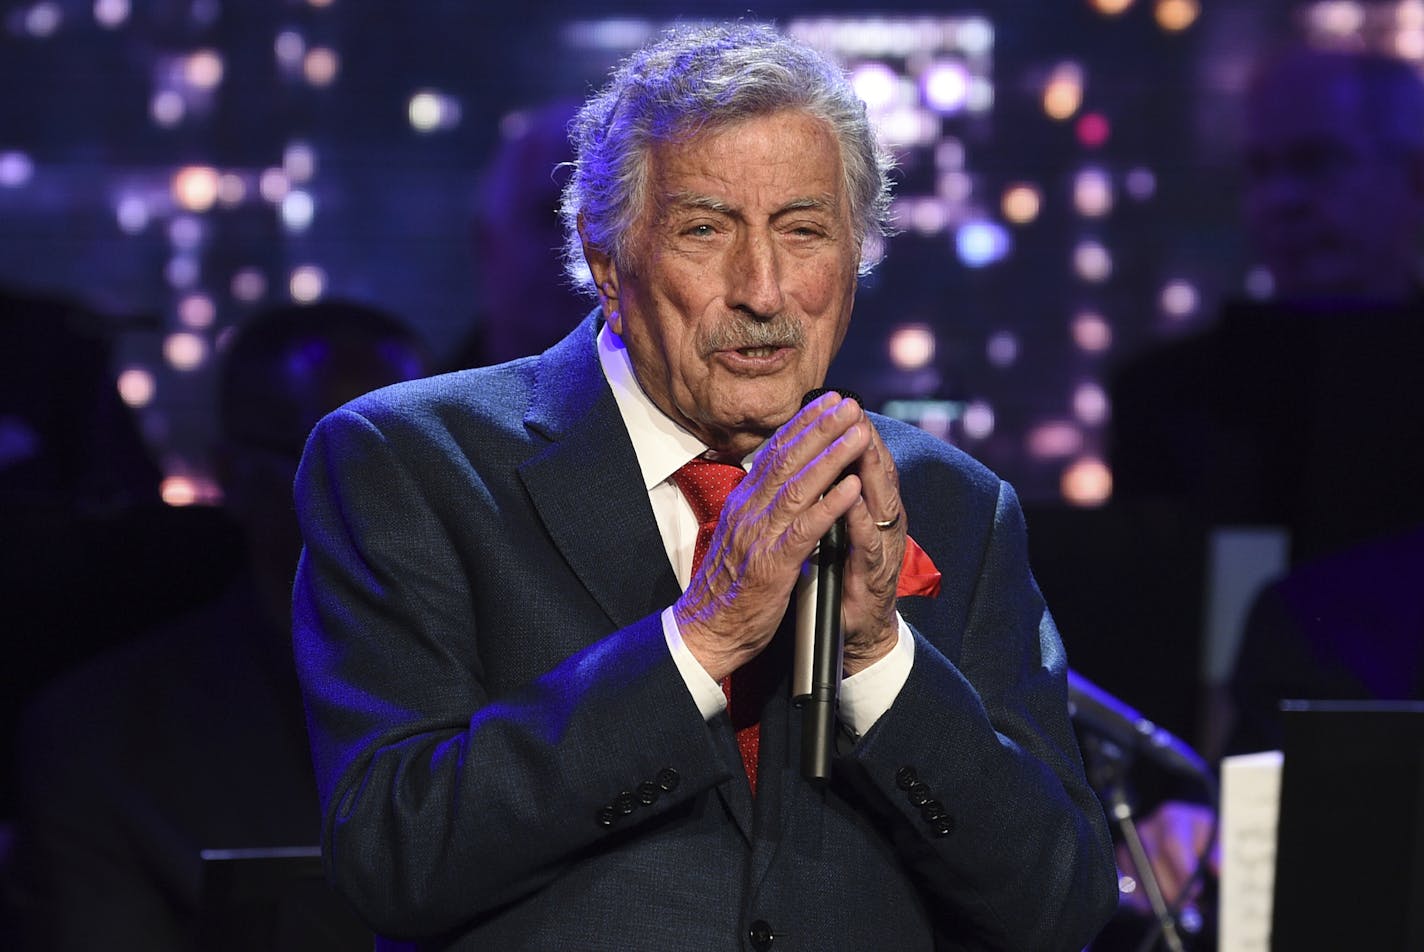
column 705, row 484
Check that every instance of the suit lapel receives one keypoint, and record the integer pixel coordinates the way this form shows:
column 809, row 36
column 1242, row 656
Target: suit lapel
column 587, row 488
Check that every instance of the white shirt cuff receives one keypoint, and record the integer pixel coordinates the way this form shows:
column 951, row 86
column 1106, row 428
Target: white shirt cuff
column 867, row 695
column 863, row 697
column 706, row 692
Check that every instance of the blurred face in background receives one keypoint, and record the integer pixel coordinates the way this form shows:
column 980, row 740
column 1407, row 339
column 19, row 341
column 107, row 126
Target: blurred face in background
column 1333, row 210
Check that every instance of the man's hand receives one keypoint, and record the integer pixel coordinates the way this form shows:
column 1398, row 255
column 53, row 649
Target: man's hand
column 775, row 518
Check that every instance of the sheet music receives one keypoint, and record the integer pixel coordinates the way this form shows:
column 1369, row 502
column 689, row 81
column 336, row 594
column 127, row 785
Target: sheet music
column 1250, row 809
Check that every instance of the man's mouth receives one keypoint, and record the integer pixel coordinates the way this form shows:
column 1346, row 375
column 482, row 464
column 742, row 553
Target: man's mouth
column 757, row 351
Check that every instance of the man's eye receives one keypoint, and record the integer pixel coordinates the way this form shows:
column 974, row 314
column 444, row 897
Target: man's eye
column 700, row 231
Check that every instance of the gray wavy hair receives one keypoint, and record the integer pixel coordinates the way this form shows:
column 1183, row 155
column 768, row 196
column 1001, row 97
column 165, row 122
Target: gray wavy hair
column 697, row 80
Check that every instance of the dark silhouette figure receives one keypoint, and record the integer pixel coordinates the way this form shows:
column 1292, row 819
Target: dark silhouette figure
column 192, row 737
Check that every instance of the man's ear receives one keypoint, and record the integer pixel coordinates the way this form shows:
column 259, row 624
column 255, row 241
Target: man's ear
column 605, row 276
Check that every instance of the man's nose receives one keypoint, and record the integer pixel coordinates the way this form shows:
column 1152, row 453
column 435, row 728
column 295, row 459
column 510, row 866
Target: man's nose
column 754, row 275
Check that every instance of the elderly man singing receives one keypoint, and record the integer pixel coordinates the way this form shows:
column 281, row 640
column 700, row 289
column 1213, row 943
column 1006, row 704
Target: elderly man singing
column 542, row 617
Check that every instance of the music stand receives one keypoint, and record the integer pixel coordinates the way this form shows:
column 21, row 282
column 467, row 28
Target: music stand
column 1350, row 843
column 274, row 899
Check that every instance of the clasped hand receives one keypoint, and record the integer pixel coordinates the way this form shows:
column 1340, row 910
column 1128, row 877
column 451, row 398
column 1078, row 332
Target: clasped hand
column 772, row 522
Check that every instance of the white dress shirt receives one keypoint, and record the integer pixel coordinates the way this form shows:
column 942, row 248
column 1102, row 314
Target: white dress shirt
column 662, row 447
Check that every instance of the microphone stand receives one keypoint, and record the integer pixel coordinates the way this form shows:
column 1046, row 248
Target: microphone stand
column 818, row 718
column 1108, row 766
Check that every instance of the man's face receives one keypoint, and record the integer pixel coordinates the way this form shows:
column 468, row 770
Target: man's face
column 1332, row 212
column 739, row 278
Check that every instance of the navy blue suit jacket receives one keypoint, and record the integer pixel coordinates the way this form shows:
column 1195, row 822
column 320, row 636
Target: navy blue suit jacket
column 508, row 758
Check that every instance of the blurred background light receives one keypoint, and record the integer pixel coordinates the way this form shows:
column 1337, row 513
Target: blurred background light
column 43, row 19
column 1179, row 299
column 1092, row 130
column 1141, row 183
column 298, row 210
column 196, row 311
column 1092, row 193
column 195, row 187
column 877, row 84
column 16, row 169
column 307, row 284
column 1054, row 439
column 249, row 285
column 1176, row 15
column 430, row 111
column 1092, row 262
column 1087, row 482
column 978, row 420
column 167, row 108
column 1110, row 7
column 111, row 13
column 136, row 386
column 981, row 243
column 1090, row 403
column 1002, row 349
column 911, row 346
column 1063, row 93
column 1091, row 332
column 1020, row 203
column 946, row 86
column 184, row 350
column 132, row 214
column 203, row 69
column 299, row 161
column 320, row 66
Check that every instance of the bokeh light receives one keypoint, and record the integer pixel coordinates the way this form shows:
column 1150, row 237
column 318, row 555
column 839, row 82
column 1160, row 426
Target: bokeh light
column 1054, row 439
column 1091, row 332
column 136, row 386
column 1092, row 262
column 1086, row 482
column 1063, row 93
column 307, row 284
column 195, row 187
column 185, row 351
column 1002, row 349
column 981, row 243
column 1177, row 15
column 1179, row 299
column 1021, row 203
column 1092, row 193
column 16, row 169
column 911, row 346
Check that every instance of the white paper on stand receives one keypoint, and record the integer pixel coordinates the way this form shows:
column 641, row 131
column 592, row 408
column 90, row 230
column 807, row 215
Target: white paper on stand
column 1250, row 810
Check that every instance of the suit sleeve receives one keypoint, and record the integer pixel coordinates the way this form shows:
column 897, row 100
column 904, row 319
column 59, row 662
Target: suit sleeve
column 441, row 802
column 976, row 763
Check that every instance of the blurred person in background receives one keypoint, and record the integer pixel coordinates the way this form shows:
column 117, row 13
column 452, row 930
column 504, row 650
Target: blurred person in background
column 192, row 737
column 1300, row 411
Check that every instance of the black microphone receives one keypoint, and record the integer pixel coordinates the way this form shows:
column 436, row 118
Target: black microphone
column 1098, row 711
column 816, row 667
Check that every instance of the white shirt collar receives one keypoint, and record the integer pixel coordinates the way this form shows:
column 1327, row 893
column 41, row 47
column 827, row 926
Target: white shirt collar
column 661, row 445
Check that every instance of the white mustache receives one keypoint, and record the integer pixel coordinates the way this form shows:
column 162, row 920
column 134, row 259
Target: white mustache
column 741, row 334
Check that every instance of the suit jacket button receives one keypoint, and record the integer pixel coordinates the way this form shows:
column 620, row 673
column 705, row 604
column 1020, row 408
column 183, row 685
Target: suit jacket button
column 904, row 777
column 942, row 825
column 919, row 793
column 932, row 810
column 625, row 803
column 668, row 779
column 648, row 793
column 761, row 935
column 606, row 816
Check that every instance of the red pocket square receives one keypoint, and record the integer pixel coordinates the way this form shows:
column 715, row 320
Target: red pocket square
column 918, row 575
